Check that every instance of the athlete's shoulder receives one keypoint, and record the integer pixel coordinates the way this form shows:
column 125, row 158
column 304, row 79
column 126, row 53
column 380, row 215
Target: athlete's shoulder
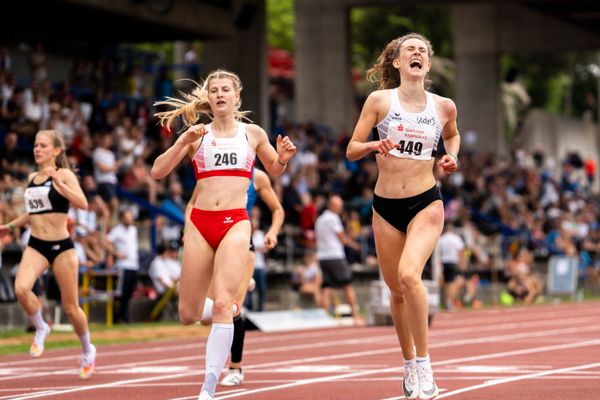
column 379, row 95
column 253, row 128
column 445, row 105
column 378, row 101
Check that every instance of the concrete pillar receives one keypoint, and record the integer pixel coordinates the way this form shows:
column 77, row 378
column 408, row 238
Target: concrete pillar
column 179, row 48
column 477, row 76
column 245, row 53
column 323, row 86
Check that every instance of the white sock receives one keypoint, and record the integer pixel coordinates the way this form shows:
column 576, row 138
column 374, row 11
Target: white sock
column 85, row 342
column 218, row 347
column 207, row 312
column 423, row 359
column 208, row 307
column 38, row 321
column 410, row 363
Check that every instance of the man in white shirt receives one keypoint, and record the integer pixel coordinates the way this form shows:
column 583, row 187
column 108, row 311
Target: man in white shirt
column 122, row 243
column 331, row 238
column 165, row 269
column 105, row 171
column 451, row 251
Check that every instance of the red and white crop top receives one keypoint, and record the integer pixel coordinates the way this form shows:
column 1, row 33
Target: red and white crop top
column 231, row 156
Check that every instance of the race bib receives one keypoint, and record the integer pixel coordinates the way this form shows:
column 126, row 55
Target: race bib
column 415, row 141
column 37, row 200
column 225, row 153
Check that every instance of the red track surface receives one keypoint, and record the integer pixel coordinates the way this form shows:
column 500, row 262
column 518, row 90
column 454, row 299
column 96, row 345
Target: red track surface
column 533, row 353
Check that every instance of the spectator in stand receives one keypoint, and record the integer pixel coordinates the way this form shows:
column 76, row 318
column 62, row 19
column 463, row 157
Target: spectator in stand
column 165, row 269
column 105, row 171
column 91, row 225
column 308, row 279
column 451, row 250
column 523, row 285
column 331, row 238
column 122, row 244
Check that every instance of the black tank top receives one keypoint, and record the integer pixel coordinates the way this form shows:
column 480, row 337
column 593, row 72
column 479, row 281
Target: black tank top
column 44, row 198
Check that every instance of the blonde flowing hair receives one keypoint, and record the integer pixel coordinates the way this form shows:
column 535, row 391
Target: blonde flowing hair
column 383, row 70
column 58, row 142
column 195, row 104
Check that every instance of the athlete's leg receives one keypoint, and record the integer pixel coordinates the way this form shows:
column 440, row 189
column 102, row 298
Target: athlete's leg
column 229, row 263
column 31, row 267
column 422, row 235
column 196, row 274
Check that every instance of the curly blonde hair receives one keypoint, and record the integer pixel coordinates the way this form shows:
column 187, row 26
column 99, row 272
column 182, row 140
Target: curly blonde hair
column 383, row 70
column 194, row 104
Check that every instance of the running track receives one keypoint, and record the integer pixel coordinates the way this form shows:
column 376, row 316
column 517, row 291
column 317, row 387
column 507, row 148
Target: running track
column 544, row 352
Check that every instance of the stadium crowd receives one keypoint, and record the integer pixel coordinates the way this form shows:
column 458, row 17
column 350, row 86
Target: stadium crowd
column 508, row 209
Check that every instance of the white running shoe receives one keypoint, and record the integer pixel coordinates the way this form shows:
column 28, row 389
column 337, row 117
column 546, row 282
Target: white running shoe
column 37, row 347
column 410, row 383
column 204, row 395
column 251, row 285
column 427, row 387
column 88, row 363
column 234, row 377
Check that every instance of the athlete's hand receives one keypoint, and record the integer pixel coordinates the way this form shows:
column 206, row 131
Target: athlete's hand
column 192, row 134
column 285, row 148
column 270, row 240
column 382, row 147
column 448, row 163
column 4, row 230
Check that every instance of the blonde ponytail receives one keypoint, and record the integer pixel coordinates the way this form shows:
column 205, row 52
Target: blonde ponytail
column 195, row 104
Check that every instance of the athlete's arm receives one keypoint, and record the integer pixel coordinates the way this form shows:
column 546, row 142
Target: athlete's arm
column 168, row 160
column 358, row 146
column 449, row 161
column 67, row 185
column 274, row 160
column 263, row 187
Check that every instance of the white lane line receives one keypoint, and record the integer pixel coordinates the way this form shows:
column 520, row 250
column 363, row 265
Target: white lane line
column 346, row 355
column 397, row 369
column 549, row 318
column 101, row 386
column 196, row 396
column 517, row 378
column 357, row 354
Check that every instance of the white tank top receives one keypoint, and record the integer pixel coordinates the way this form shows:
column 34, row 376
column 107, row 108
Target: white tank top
column 417, row 134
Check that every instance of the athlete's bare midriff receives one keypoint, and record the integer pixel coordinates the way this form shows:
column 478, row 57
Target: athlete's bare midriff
column 50, row 226
column 400, row 177
column 221, row 193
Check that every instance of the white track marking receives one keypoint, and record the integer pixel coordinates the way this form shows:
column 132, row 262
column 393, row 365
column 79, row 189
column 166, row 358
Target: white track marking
column 517, row 378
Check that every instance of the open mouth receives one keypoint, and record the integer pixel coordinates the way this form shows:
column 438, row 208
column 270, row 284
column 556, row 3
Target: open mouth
column 416, row 64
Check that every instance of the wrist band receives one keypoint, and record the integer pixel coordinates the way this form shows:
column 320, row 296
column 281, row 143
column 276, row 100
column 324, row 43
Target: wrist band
column 280, row 163
column 11, row 227
column 453, row 155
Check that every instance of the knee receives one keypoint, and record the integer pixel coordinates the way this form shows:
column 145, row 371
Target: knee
column 409, row 283
column 21, row 291
column 186, row 316
column 70, row 309
column 221, row 307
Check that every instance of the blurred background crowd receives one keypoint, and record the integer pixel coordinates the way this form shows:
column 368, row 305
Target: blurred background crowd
column 508, row 212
